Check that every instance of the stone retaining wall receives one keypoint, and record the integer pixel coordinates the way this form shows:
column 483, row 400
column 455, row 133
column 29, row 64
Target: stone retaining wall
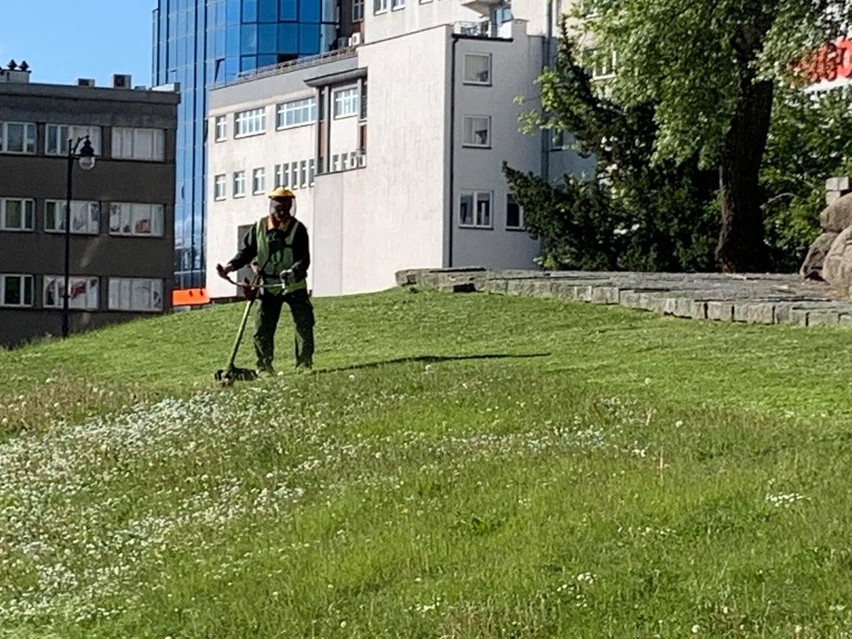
column 753, row 298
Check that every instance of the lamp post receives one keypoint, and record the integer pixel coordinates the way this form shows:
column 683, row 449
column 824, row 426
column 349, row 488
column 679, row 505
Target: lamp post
column 86, row 156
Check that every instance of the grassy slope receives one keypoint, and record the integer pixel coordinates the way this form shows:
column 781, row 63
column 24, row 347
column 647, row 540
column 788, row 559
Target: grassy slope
column 472, row 466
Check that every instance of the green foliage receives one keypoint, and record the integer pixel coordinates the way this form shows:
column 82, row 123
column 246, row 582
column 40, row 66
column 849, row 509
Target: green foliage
column 810, row 140
column 634, row 214
column 593, row 472
column 689, row 57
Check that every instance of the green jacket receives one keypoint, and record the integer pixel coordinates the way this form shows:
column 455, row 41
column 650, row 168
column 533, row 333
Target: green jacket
column 284, row 248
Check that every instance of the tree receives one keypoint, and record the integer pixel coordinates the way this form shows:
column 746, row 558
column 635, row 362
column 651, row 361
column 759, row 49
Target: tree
column 633, row 213
column 710, row 69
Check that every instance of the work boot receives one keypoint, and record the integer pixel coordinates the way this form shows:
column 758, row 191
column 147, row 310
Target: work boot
column 265, row 371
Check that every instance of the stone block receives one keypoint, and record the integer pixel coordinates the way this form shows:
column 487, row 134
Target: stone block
column 583, row 293
column 496, row 285
column 754, row 312
column 837, row 183
column 720, row 310
column 562, row 289
column 521, row 286
column 652, row 302
column 604, row 294
column 698, row 309
column 630, row 299
column 798, row 316
column 819, row 317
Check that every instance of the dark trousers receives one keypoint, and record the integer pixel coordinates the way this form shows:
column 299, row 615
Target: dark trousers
column 266, row 321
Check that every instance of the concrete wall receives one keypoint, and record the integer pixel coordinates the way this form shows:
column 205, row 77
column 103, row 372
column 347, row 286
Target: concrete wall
column 515, row 64
column 394, row 212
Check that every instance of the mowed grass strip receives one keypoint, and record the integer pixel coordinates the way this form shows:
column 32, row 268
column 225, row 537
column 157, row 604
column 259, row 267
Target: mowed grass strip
column 458, row 466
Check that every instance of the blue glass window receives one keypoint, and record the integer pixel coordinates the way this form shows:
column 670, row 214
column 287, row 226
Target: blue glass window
column 232, row 42
column 268, row 10
column 232, row 11
column 309, row 39
column 309, row 10
column 289, row 11
column 248, row 62
column 249, row 11
column 268, row 38
column 219, row 16
column 248, row 42
column 288, row 38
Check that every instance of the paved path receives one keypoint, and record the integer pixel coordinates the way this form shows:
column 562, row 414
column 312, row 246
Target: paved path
column 754, row 298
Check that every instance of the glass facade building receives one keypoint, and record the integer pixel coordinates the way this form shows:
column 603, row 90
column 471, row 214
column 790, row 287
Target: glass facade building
column 202, row 43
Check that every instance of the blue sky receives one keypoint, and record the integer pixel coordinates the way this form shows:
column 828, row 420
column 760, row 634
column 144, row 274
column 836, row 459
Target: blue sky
column 63, row 40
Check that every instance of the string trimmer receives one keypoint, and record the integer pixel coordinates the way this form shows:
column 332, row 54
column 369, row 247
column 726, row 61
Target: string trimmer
column 230, row 374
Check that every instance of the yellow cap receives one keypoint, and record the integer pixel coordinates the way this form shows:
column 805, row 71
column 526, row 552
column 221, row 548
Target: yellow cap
column 280, row 191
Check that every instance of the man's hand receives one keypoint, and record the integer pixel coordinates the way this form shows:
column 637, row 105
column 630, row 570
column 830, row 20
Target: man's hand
column 223, row 270
column 286, row 277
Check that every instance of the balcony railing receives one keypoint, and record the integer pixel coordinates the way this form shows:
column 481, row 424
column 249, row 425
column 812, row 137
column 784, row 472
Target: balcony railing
column 290, row 65
column 481, row 29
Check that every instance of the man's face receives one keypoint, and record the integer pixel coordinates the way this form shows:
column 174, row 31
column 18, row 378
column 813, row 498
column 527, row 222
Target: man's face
column 279, row 208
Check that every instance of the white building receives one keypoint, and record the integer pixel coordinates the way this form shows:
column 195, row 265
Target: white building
column 393, row 145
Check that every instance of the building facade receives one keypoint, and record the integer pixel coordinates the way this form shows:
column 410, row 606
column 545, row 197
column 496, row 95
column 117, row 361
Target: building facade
column 203, row 43
column 121, row 232
column 394, row 145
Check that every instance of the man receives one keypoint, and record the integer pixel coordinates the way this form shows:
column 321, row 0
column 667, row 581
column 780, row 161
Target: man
column 277, row 248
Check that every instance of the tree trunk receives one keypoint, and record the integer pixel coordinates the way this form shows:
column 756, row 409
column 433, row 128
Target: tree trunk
column 741, row 248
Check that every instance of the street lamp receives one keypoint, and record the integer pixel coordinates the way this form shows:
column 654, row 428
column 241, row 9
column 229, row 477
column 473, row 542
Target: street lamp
column 86, row 157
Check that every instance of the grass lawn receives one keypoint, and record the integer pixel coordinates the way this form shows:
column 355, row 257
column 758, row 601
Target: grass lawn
column 457, row 466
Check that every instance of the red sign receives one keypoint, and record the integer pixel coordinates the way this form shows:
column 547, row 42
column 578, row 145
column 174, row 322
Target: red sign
column 832, row 61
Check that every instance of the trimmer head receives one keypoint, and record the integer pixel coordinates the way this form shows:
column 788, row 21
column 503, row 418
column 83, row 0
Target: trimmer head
column 227, row 376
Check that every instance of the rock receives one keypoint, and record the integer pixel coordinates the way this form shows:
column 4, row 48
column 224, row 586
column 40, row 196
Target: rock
column 837, row 215
column 837, row 266
column 812, row 266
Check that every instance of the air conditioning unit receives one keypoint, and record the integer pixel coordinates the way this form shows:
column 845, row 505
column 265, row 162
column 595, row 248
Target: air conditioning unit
column 85, row 82
column 120, row 81
column 354, row 39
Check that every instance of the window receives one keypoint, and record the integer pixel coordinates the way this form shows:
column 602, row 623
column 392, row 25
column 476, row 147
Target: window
column 251, row 122
column 357, row 10
column 312, row 170
column 380, row 6
column 82, row 292
column 558, row 140
column 514, row 213
column 303, row 173
column 133, row 218
column 282, row 174
column 138, row 144
column 17, row 137
column 601, row 65
column 135, row 294
column 295, row 113
column 477, row 68
column 239, row 183
column 294, row 175
column 221, row 127
column 17, row 215
column 258, row 181
column 85, row 216
column 477, row 130
column 57, row 136
column 16, row 290
column 397, row 4
column 220, row 189
column 475, row 209
column 346, row 102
